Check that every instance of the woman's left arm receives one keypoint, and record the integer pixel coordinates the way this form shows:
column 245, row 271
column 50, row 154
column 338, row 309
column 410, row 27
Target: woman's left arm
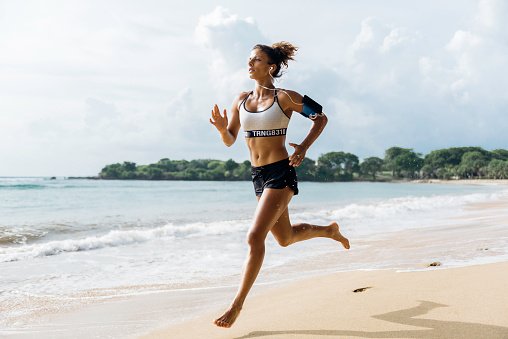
column 318, row 124
column 294, row 104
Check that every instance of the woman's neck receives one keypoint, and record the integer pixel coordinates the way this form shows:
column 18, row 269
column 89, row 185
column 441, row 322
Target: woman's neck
column 264, row 89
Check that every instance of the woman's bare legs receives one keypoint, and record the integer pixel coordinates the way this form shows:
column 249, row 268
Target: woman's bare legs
column 287, row 234
column 270, row 206
column 272, row 215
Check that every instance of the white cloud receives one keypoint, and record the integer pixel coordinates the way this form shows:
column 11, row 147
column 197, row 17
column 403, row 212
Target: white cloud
column 396, row 90
column 491, row 19
column 397, row 37
column 473, row 65
column 380, row 57
column 463, row 41
column 228, row 40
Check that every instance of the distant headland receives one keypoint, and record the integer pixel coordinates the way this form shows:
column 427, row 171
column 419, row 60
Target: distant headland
column 398, row 164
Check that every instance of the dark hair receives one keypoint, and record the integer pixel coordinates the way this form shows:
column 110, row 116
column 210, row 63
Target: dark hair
column 279, row 54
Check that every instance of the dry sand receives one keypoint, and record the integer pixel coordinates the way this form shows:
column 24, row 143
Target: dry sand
column 468, row 302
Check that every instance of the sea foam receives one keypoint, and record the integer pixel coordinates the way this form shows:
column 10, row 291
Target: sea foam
column 118, row 238
column 401, row 207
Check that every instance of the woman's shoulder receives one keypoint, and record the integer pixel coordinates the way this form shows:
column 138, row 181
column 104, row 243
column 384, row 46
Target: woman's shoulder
column 290, row 98
column 240, row 98
column 245, row 93
column 286, row 92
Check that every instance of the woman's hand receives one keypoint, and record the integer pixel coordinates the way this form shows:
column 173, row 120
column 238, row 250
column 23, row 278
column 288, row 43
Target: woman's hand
column 298, row 155
column 220, row 122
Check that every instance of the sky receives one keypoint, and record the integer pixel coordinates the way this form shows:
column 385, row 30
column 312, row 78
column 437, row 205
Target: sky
column 84, row 84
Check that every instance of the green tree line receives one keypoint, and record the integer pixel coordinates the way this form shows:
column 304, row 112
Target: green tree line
column 398, row 163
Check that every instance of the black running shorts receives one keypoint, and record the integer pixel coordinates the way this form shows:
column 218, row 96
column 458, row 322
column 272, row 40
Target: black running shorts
column 275, row 175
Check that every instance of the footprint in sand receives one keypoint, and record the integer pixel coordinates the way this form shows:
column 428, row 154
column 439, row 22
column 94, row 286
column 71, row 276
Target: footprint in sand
column 361, row 289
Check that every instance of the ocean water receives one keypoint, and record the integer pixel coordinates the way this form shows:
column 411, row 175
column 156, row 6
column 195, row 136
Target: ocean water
column 63, row 242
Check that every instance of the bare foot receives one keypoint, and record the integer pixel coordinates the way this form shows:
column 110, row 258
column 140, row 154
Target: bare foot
column 335, row 234
column 229, row 317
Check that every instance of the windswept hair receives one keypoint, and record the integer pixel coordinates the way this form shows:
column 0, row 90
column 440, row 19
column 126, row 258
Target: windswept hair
column 279, row 54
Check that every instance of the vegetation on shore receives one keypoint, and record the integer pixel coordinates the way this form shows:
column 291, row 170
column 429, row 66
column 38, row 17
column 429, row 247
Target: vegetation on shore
column 398, row 163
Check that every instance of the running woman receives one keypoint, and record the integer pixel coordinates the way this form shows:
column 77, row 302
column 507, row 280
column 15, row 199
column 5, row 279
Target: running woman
column 264, row 114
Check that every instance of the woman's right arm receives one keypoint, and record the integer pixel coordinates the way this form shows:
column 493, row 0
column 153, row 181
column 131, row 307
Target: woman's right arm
column 228, row 129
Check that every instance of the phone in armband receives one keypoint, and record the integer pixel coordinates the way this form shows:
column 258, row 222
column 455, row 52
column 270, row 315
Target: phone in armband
column 311, row 109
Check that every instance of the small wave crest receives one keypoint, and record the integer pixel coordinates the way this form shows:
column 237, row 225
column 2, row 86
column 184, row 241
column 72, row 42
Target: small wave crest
column 402, row 209
column 397, row 206
column 117, row 238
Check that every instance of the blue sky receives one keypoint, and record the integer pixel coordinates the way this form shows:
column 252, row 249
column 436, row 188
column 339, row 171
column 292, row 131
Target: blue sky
column 85, row 84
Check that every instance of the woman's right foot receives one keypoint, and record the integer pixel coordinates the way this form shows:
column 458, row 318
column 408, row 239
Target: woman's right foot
column 229, row 317
column 336, row 235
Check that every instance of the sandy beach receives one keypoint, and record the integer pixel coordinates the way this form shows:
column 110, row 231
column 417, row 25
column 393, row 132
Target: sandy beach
column 469, row 302
column 430, row 302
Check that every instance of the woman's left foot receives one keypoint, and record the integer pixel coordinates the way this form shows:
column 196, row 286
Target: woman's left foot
column 229, row 317
column 336, row 235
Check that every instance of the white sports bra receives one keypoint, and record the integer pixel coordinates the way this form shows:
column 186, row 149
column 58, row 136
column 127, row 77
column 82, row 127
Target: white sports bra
column 270, row 122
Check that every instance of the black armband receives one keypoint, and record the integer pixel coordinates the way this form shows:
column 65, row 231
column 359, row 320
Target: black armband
column 311, row 109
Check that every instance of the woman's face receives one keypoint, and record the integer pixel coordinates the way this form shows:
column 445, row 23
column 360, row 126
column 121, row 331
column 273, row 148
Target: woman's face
column 259, row 66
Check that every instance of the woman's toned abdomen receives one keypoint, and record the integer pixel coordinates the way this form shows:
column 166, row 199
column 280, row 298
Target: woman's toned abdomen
column 266, row 150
